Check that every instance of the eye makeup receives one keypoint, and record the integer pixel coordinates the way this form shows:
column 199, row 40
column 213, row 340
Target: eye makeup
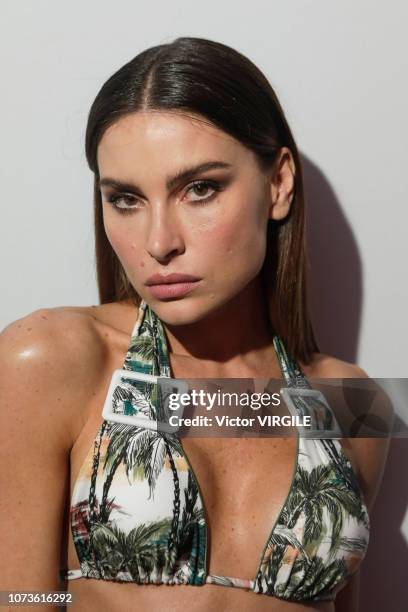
column 116, row 199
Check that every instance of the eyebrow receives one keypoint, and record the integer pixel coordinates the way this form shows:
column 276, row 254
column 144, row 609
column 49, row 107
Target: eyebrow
column 171, row 181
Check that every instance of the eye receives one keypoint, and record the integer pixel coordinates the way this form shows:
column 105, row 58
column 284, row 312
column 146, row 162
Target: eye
column 118, row 200
column 203, row 186
column 126, row 204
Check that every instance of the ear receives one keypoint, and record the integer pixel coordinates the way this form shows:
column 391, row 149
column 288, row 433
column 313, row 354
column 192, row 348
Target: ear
column 282, row 184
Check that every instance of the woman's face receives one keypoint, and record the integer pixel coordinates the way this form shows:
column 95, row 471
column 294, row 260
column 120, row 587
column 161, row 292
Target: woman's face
column 211, row 224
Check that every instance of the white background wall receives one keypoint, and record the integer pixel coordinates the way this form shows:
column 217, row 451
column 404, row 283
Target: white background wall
column 340, row 71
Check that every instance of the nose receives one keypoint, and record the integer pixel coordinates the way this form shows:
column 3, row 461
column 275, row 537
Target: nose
column 163, row 239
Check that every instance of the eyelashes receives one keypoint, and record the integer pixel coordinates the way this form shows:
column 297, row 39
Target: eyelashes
column 116, row 200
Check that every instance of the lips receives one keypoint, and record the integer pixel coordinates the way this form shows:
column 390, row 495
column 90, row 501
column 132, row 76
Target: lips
column 168, row 286
column 174, row 278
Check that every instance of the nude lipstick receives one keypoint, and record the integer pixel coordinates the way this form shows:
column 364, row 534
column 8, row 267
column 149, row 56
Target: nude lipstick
column 173, row 285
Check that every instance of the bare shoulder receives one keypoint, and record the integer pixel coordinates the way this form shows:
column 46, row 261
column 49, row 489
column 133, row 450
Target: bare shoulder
column 326, row 366
column 54, row 358
column 368, row 455
column 72, row 336
column 51, row 360
column 59, row 340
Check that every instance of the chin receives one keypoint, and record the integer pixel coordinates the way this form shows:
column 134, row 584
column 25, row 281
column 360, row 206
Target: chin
column 182, row 311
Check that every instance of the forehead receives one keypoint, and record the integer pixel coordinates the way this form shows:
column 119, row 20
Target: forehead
column 164, row 139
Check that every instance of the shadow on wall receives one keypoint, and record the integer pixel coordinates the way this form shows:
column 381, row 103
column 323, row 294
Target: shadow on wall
column 335, row 282
column 335, row 285
column 384, row 572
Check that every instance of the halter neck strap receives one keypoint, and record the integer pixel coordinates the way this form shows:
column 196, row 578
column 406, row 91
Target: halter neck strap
column 148, row 350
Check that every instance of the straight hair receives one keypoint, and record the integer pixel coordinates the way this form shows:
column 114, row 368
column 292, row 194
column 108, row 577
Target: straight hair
column 214, row 81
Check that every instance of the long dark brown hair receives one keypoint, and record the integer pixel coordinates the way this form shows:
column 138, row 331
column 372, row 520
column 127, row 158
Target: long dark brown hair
column 210, row 79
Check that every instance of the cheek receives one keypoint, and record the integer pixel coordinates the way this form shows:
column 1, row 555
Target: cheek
column 241, row 237
column 121, row 239
column 115, row 236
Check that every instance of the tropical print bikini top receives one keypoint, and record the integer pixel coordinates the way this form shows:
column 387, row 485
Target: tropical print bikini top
column 137, row 513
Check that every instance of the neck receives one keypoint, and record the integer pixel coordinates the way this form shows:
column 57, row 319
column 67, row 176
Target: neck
column 239, row 329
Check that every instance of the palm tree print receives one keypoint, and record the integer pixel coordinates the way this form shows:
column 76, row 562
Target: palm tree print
column 316, row 490
column 130, row 553
column 137, row 514
column 143, row 452
column 319, row 498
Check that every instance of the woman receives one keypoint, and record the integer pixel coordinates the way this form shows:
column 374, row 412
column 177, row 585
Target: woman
column 196, row 174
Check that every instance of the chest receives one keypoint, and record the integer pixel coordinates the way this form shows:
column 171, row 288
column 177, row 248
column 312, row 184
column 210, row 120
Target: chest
column 243, row 484
column 243, row 480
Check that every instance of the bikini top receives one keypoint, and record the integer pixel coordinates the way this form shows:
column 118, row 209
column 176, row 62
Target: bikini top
column 137, row 513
